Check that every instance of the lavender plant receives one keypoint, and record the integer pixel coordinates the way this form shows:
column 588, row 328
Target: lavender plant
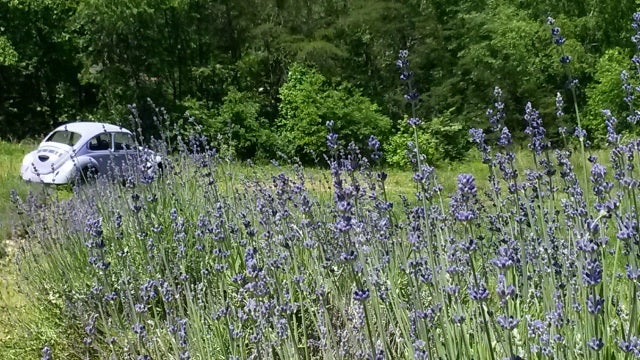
column 220, row 261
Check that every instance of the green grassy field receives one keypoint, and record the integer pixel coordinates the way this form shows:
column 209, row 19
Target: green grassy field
column 10, row 158
column 12, row 300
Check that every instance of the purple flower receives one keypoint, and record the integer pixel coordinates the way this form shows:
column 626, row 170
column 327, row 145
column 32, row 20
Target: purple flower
column 94, row 227
column 580, row 133
column 411, row 96
column 332, row 140
column 627, row 229
column 496, row 114
column 477, row 135
column 636, row 25
column 351, row 255
column 467, row 185
column 139, row 329
column 374, row 144
column 503, row 290
column 414, row 121
column 46, row 353
column 592, row 272
column 478, row 293
column 361, row 295
column 559, row 105
column 535, row 130
column 505, row 259
column 535, row 327
column 594, row 304
column 464, row 202
column 612, row 136
column 505, row 137
column 406, row 75
column 631, row 345
column 109, row 297
column 632, row 273
column 595, row 343
column 458, row 318
column 507, row 322
column 403, row 61
column 601, row 186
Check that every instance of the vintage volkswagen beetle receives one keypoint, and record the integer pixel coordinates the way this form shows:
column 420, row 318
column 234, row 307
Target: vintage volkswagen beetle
column 80, row 151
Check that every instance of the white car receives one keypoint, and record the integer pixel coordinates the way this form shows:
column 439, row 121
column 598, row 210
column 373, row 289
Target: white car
column 78, row 151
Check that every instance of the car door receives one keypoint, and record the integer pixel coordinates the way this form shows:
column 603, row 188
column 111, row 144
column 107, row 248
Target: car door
column 125, row 152
column 100, row 149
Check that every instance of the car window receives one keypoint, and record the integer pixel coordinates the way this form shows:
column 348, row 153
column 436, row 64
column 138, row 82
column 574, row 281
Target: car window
column 100, row 142
column 123, row 141
column 64, row 137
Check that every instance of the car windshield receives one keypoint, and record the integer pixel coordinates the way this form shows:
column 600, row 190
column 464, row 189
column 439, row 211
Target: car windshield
column 64, row 137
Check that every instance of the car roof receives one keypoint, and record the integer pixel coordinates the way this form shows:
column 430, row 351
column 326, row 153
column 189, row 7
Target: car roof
column 86, row 128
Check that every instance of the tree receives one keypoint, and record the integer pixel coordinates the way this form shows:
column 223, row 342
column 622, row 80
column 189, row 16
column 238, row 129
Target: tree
column 38, row 70
column 8, row 55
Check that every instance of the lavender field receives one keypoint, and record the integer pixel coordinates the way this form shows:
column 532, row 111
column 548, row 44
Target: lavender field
column 532, row 262
column 204, row 263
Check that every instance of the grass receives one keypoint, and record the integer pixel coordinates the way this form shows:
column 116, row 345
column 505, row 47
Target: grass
column 22, row 321
column 11, row 155
column 11, row 300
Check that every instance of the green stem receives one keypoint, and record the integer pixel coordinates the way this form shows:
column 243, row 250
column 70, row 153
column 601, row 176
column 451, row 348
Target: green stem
column 483, row 311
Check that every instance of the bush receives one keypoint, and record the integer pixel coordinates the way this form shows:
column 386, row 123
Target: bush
column 309, row 101
column 605, row 93
column 236, row 125
column 440, row 139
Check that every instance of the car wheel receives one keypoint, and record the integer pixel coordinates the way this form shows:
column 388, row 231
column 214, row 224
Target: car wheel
column 87, row 175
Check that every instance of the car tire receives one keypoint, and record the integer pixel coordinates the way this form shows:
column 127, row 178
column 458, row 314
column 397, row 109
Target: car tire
column 87, row 175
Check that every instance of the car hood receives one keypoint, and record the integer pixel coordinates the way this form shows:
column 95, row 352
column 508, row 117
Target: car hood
column 50, row 156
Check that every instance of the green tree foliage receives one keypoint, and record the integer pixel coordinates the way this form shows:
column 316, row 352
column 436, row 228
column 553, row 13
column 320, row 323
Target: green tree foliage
column 309, row 101
column 8, row 55
column 167, row 50
column 440, row 139
column 38, row 70
column 236, row 125
column 606, row 92
column 63, row 60
column 513, row 51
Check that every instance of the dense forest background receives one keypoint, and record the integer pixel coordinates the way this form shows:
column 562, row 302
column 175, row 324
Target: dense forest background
column 263, row 77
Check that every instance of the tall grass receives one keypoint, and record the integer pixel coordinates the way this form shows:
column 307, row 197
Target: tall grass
column 11, row 155
column 24, row 324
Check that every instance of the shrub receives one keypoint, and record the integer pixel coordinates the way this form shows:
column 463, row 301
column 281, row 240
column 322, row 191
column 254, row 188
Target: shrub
column 605, row 93
column 440, row 139
column 309, row 101
column 236, row 125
